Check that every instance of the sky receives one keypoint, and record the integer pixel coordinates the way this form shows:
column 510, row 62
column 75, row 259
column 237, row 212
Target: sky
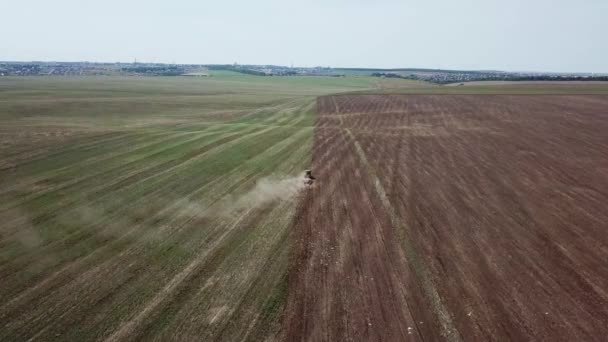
column 513, row 35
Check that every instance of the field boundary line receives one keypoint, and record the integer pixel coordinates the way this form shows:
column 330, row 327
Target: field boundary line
column 448, row 329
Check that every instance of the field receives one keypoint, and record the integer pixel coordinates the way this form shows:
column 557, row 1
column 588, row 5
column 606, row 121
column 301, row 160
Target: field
column 454, row 217
column 171, row 209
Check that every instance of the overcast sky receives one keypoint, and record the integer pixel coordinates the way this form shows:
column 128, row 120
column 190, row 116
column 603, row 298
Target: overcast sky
column 534, row 35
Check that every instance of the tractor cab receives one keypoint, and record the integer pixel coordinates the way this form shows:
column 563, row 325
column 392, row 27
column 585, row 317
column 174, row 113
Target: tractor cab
column 308, row 177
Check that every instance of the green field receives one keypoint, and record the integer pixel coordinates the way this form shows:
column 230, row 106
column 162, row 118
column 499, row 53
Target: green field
column 113, row 196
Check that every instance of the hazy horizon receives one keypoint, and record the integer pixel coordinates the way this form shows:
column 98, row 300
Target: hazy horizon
column 544, row 36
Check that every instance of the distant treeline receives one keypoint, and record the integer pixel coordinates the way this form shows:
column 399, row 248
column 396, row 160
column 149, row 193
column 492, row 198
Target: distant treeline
column 155, row 70
column 230, row 67
column 247, row 70
column 412, row 70
column 391, row 75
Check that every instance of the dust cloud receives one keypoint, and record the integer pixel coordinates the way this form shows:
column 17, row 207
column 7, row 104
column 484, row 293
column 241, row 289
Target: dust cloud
column 267, row 190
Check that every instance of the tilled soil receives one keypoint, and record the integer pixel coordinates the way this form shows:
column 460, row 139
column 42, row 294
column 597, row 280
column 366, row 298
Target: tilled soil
column 453, row 218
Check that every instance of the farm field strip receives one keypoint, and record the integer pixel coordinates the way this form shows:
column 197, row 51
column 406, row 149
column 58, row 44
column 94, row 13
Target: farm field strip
column 495, row 216
column 444, row 317
column 332, row 248
column 100, row 187
column 84, row 289
column 124, row 158
column 185, row 211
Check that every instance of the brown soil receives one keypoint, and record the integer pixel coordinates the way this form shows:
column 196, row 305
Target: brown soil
column 454, row 218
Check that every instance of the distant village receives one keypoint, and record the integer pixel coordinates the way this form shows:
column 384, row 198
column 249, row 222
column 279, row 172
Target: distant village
column 205, row 70
column 453, row 76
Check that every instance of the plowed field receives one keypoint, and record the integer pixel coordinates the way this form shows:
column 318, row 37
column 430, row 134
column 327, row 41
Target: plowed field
column 454, row 217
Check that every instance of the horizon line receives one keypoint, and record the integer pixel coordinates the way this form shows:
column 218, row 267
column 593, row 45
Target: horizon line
column 309, row 67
